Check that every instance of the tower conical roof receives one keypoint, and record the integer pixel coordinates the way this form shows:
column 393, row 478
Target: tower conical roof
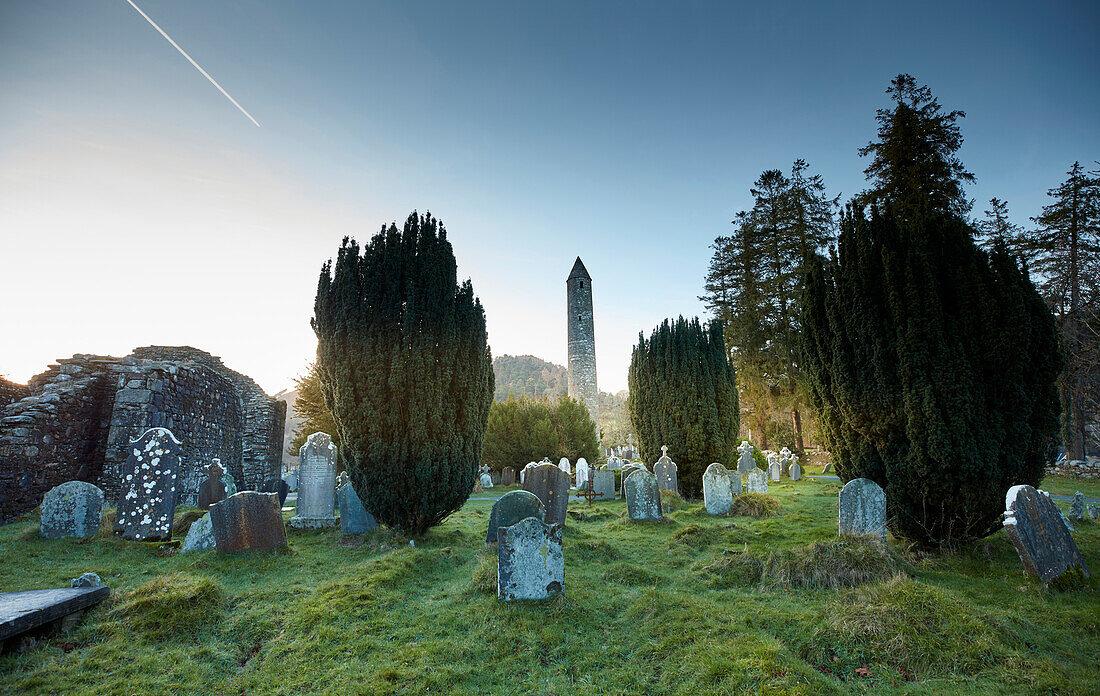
column 579, row 271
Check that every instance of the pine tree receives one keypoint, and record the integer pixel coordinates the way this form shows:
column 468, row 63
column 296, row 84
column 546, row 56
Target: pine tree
column 406, row 372
column 310, row 405
column 997, row 228
column 913, row 163
column 526, row 430
column 932, row 367
column 683, row 393
column 1066, row 252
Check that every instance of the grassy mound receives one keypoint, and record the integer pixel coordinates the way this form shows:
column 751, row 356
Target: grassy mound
column 671, row 501
column 754, row 505
column 186, row 515
column 627, row 574
column 905, row 628
column 831, row 564
column 696, row 536
column 175, row 606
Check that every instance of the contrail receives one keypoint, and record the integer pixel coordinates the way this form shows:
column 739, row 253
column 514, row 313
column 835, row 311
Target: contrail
column 199, row 67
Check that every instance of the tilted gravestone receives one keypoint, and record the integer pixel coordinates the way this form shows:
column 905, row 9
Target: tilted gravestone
column 316, row 484
column 248, row 521
column 200, row 536
column 73, row 509
column 147, row 503
column 354, row 518
column 513, row 507
column 291, row 481
column 603, row 484
column 795, row 472
column 530, row 560
column 862, row 509
column 508, row 476
column 212, row 488
column 665, row 470
column 643, row 497
column 625, row 474
column 551, row 485
column 1035, row 527
column 718, row 489
column 756, row 481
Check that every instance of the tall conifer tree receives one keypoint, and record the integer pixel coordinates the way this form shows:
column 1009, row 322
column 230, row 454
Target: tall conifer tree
column 406, row 372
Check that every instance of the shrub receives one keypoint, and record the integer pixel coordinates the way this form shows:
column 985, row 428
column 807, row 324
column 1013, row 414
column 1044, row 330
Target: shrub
column 526, row 430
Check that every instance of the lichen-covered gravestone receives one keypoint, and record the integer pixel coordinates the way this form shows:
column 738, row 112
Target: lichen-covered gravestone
column 212, row 488
column 513, row 507
column 147, row 504
column 551, row 485
column 486, row 480
column 507, row 476
column 1077, row 507
column 746, row 463
column 354, row 518
column 530, row 561
column 73, row 509
column 756, row 481
column 1035, row 527
column 862, row 509
column 200, row 536
column 603, row 484
column 625, row 474
column 316, row 484
column 248, row 521
column 717, row 489
column 665, row 470
column 229, row 483
column 795, row 471
column 643, row 497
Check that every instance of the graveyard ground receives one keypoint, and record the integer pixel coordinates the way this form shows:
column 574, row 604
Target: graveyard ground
column 657, row 608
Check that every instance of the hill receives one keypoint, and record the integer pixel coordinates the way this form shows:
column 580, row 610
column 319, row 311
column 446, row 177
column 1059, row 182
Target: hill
column 526, row 375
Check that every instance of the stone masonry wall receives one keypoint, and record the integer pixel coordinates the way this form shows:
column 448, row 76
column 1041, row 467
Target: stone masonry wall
column 11, row 392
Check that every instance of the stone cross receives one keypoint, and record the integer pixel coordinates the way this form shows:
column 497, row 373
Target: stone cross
column 664, row 450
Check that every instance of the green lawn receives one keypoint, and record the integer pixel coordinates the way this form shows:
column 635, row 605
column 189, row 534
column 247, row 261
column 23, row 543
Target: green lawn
column 648, row 609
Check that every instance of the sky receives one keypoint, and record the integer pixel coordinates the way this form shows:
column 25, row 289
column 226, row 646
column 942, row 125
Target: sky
column 139, row 206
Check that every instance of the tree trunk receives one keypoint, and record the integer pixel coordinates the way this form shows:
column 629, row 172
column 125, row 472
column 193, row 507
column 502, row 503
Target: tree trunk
column 761, row 423
column 799, row 446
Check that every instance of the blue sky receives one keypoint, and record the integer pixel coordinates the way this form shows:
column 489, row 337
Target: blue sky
column 138, row 206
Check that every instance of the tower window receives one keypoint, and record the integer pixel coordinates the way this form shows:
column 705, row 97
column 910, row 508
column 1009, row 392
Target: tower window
column 581, row 285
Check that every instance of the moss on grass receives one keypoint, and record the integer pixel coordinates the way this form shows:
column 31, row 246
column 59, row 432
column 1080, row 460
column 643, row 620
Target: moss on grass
column 175, row 606
column 754, row 505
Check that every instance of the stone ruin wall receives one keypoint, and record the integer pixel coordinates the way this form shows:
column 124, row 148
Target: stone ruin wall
column 11, row 392
column 79, row 416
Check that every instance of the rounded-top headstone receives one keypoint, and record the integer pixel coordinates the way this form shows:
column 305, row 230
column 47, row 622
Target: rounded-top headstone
column 718, row 489
column 73, row 509
column 512, row 507
column 863, row 509
column 551, row 485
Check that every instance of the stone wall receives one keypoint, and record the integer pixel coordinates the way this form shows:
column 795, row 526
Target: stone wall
column 1089, row 469
column 80, row 415
column 11, row 391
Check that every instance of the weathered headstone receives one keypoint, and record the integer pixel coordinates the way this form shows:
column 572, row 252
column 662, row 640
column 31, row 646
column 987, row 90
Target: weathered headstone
column 248, row 521
column 513, row 507
column 665, row 470
column 1077, row 507
column 643, row 497
column 1094, row 512
column 1035, row 528
column 147, row 504
column 231, row 485
column 508, row 476
column 775, row 468
column 530, row 560
column 828, row 468
column 73, row 509
column 564, row 465
column 200, row 536
column 795, row 472
column 316, row 483
column 291, row 481
column 625, row 474
column 862, row 509
column 756, row 481
column 212, row 488
column 746, row 463
column 718, row 489
column 551, row 485
column 279, row 488
column 584, row 472
column 354, row 518
column 486, row 480
column 603, row 484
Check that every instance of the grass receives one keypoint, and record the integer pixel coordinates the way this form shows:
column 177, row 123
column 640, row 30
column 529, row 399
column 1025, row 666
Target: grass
column 717, row 605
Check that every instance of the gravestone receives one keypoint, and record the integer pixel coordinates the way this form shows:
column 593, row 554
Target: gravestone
column 665, row 470
column 1035, row 528
column 73, row 509
column 513, row 507
column 212, row 489
column 756, row 481
column 584, row 472
column 187, row 486
column 551, row 485
column 486, row 481
column 775, row 469
column 508, row 476
column 200, row 536
column 291, row 481
column 564, row 465
column 603, row 484
column 1094, row 512
column 354, row 518
column 147, row 504
column 795, row 472
column 496, row 477
column 862, row 509
column 746, row 463
column 523, row 472
column 1077, row 507
column 316, row 484
column 21, row 612
column 230, row 484
column 718, row 489
column 828, row 468
column 530, row 561
column 626, row 472
column 643, row 497
column 279, row 488
column 248, row 521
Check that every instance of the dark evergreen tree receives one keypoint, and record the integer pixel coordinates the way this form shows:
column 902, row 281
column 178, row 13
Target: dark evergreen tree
column 913, row 163
column 996, row 228
column 932, row 366
column 683, row 393
column 406, row 372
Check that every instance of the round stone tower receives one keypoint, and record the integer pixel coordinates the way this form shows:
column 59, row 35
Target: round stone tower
column 582, row 339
